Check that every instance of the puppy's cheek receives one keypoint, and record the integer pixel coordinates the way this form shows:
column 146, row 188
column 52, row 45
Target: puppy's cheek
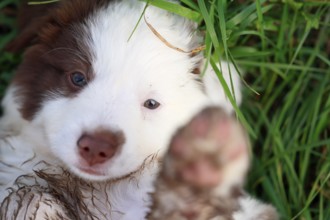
column 62, row 142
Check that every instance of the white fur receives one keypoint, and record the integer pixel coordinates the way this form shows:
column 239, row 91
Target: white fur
column 252, row 209
column 126, row 74
column 12, row 123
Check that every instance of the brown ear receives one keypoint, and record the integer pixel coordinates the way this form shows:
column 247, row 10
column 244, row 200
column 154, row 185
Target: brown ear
column 30, row 20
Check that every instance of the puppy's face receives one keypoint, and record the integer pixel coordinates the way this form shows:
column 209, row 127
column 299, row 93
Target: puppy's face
column 104, row 103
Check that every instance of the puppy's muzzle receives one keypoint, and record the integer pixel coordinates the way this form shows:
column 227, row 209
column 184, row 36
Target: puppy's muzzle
column 100, row 146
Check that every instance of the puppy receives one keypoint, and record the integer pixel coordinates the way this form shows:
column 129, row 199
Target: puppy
column 203, row 173
column 94, row 103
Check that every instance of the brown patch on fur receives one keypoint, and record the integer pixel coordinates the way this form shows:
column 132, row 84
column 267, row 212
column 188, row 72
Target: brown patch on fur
column 57, row 49
column 66, row 14
column 35, row 21
column 30, row 20
column 45, row 73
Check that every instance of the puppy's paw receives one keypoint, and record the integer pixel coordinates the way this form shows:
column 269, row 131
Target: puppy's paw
column 210, row 151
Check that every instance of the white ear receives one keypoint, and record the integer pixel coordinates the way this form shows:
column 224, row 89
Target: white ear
column 213, row 87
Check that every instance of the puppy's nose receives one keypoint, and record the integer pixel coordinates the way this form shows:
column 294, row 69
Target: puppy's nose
column 100, row 146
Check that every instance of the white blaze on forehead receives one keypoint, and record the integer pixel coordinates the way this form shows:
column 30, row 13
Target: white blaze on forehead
column 116, row 54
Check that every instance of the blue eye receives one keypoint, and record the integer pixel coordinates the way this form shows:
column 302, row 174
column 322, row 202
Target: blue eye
column 151, row 104
column 78, row 79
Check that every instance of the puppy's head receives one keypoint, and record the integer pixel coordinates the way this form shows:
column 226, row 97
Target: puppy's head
column 103, row 102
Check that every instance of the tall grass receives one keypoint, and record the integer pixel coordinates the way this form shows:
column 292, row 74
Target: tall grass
column 7, row 32
column 283, row 47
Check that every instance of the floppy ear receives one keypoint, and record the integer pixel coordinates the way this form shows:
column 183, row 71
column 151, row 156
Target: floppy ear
column 30, row 20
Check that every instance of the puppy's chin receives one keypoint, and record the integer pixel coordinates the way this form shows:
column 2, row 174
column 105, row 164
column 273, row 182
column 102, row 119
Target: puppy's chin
column 88, row 173
column 97, row 173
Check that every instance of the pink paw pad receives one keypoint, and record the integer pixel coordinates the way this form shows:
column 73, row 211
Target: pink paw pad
column 201, row 149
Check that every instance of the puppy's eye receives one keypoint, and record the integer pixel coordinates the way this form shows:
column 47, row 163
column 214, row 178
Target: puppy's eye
column 151, row 104
column 78, row 79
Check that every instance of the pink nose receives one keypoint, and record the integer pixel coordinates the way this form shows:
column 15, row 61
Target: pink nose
column 98, row 147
